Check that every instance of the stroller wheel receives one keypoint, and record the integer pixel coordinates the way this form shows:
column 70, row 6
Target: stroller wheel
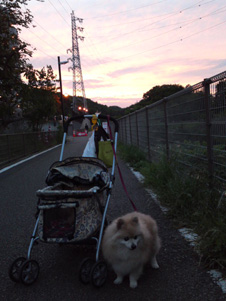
column 14, row 270
column 29, row 272
column 99, row 273
column 85, row 269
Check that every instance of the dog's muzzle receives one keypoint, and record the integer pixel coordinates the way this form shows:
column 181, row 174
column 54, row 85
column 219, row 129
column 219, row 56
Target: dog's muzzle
column 133, row 247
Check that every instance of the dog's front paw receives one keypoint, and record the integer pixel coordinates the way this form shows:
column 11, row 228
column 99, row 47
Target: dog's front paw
column 133, row 283
column 154, row 263
column 118, row 280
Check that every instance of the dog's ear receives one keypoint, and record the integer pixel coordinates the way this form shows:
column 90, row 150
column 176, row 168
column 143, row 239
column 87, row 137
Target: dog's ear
column 135, row 220
column 120, row 222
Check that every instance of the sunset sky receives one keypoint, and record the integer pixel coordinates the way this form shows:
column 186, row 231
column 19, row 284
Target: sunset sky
column 131, row 46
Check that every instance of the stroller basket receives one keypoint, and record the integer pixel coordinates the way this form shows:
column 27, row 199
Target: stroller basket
column 71, row 208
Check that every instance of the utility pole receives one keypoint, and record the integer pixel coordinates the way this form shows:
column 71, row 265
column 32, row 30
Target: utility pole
column 78, row 85
column 61, row 89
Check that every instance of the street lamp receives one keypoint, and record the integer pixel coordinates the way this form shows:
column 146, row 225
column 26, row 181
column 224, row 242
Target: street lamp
column 62, row 105
column 61, row 90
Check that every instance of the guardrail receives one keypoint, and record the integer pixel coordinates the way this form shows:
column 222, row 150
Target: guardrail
column 16, row 146
column 189, row 125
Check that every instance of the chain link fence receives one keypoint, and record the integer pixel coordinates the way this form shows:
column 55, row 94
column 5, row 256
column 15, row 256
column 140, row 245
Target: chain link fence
column 189, row 125
column 16, row 146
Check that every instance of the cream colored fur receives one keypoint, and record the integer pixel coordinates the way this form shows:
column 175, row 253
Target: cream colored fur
column 129, row 242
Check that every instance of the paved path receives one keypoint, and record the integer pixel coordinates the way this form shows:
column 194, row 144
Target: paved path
column 180, row 276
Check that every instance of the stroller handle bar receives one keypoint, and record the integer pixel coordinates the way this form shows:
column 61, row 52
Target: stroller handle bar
column 66, row 124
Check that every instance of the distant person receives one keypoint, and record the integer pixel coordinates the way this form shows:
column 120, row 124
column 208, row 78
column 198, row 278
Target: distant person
column 99, row 132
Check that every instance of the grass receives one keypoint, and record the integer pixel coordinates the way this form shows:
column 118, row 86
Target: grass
column 190, row 201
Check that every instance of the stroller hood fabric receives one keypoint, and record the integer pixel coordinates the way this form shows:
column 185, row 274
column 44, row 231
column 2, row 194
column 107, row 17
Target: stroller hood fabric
column 79, row 171
column 72, row 204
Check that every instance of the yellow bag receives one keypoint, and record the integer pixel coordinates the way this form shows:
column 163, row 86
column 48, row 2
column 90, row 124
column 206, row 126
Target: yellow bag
column 105, row 152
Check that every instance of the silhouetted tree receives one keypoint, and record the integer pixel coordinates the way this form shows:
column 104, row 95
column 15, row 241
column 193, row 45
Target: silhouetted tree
column 159, row 92
column 13, row 54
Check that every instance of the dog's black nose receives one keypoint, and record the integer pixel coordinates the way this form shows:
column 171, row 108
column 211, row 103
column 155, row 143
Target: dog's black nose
column 133, row 247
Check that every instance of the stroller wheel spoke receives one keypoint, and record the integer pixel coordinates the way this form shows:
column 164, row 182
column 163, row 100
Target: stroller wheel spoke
column 14, row 270
column 29, row 272
column 99, row 273
column 85, row 269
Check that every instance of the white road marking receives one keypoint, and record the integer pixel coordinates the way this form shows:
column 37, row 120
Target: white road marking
column 27, row 159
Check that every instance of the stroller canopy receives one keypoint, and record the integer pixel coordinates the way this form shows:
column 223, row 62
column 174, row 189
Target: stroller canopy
column 79, row 170
column 88, row 174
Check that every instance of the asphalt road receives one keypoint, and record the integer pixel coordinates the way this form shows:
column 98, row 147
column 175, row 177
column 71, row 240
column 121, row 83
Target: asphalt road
column 180, row 276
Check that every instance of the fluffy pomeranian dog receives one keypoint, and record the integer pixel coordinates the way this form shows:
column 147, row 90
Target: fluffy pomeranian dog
column 129, row 242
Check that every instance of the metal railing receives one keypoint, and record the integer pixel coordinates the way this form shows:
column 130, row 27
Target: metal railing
column 16, row 146
column 189, row 125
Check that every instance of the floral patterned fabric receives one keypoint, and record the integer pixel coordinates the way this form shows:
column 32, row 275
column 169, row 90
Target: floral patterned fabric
column 71, row 211
column 80, row 170
column 72, row 221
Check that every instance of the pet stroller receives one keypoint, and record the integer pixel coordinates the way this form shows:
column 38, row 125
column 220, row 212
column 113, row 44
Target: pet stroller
column 72, row 209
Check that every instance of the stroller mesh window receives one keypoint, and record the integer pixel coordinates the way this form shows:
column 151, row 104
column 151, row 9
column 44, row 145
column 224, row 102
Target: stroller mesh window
column 59, row 223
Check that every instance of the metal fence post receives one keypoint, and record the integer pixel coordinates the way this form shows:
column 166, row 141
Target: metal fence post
column 166, row 128
column 125, row 131
column 137, row 130
column 148, row 136
column 209, row 140
column 122, row 133
column 130, row 131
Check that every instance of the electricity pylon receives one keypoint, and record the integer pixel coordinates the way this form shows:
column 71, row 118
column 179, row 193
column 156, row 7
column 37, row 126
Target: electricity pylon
column 78, row 85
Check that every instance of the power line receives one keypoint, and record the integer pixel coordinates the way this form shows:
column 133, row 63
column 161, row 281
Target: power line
column 112, row 38
column 176, row 41
column 93, row 47
column 215, row 12
column 209, row 28
column 101, row 62
column 59, row 13
column 44, row 41
column 125, row 11
column 122, row 12
column 48, row 34
column 185, row 23
column 170, row 43
column 155, row 22
column 68, row 5
column 197, row 5
column 63, row 7
column 37, row 48
column 52, row 35
column 53, row 58
column 156, row 36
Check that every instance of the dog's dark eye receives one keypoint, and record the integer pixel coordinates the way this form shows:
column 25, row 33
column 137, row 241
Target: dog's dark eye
column 126, row 238
column 135, row 237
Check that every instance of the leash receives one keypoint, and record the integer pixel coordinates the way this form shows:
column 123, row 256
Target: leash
column 119, row 171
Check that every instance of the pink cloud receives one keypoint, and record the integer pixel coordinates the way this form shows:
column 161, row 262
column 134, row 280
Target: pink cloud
column 129, row 46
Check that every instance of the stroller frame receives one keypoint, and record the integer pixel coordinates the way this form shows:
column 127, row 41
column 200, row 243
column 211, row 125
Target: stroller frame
column 26, row 270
